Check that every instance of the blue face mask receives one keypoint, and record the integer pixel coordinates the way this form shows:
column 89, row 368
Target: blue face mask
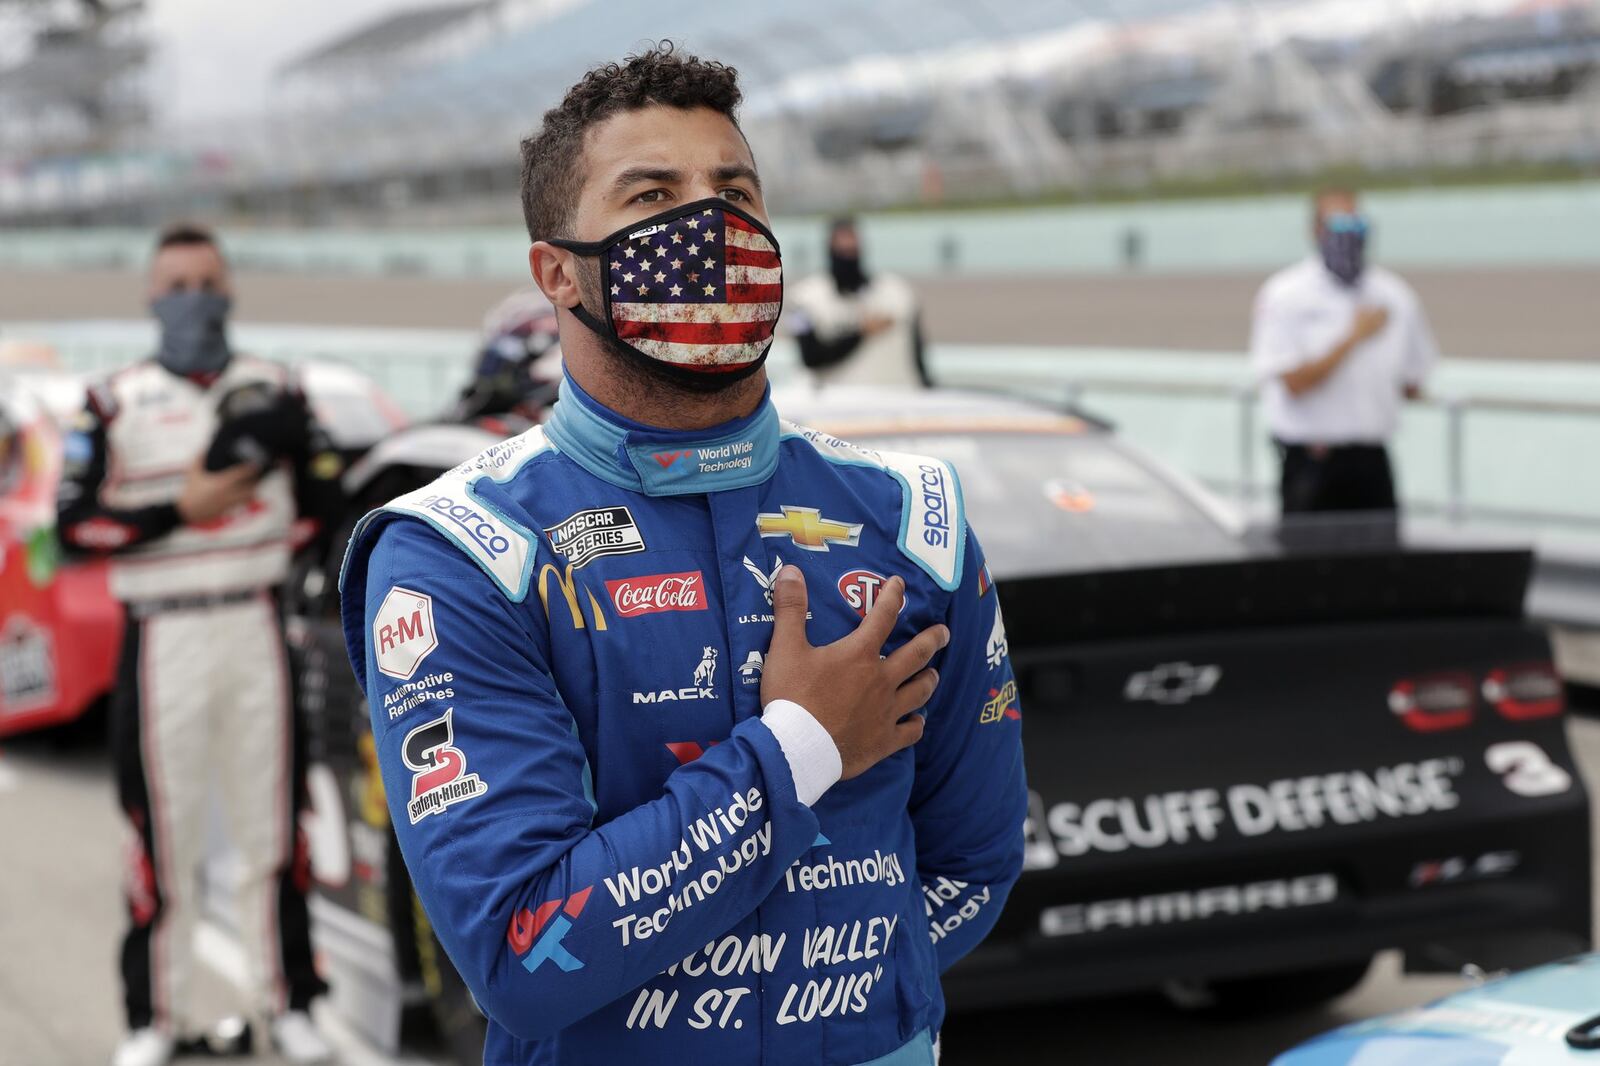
column 1344, row 246
column 194, row 331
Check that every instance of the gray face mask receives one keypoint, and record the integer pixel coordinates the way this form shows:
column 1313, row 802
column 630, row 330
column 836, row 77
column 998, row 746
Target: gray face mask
column 194, row 331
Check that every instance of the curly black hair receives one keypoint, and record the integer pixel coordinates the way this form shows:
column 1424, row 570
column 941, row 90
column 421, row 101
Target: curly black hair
column 552, row 158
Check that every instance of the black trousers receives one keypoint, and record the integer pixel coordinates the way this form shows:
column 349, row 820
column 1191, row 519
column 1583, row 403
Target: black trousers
column 1342, row 477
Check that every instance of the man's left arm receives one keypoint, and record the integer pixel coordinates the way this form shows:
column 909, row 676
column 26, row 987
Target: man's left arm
column 318, row 468
column 970, row 796
column 1422, row 351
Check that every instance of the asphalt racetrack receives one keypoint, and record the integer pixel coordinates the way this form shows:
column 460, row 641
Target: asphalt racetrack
column 1503, row 313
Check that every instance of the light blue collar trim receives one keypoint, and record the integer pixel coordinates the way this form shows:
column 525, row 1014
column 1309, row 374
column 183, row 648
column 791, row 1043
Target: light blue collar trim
column 664, row 462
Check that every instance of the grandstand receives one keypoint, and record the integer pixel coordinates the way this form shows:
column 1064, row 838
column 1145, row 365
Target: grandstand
column 897, row 101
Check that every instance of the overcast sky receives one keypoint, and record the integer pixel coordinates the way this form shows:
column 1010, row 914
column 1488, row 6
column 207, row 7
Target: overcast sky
column 216, row 57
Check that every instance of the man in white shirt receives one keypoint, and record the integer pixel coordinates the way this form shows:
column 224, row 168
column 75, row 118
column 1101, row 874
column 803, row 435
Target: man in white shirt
column 1337, row 344
column 854, row 328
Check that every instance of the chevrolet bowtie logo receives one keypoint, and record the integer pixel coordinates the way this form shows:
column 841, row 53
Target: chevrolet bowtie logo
column 808, row 529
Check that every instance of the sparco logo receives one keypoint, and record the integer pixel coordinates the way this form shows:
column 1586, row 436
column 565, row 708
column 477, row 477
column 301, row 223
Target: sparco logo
column 440, row 769
column 634, row 596
column 472, row 523
column 935, row 505
column 588, row 535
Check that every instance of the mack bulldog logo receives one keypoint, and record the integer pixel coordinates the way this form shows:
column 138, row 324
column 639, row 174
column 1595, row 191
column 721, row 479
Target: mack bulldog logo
column 588, row 535
column 634, row 596
column 441, row 779
column 700, row 688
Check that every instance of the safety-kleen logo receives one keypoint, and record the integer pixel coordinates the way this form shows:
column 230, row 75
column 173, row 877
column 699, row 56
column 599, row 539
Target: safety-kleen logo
column 809, row 529
column 539, row 932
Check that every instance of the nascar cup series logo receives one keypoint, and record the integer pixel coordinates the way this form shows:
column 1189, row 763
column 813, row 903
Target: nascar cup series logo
column 441, row 779
column 588, row 535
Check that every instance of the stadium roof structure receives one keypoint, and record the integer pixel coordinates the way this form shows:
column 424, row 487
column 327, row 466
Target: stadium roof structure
column 769, row 42
column 375, row 39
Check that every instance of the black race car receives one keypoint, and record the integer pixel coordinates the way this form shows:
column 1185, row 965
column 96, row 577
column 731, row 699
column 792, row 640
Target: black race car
column 1257, row 756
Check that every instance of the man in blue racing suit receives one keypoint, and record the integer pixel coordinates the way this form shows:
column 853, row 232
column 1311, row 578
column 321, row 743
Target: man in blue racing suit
column 651, row 683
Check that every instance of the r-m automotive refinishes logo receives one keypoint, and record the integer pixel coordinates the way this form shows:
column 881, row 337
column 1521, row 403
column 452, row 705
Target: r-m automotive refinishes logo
column 539, row 932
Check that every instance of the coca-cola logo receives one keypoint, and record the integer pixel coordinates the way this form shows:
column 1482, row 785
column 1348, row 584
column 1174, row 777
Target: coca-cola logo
column 633, row 596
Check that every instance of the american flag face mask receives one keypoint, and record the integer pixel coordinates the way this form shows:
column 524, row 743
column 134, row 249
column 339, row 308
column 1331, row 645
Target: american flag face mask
column 695, row 292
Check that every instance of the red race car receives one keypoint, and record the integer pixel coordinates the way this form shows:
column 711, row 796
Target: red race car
column 59, row 627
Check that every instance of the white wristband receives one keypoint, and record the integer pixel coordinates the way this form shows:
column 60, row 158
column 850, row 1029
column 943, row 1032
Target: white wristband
column 811, row 753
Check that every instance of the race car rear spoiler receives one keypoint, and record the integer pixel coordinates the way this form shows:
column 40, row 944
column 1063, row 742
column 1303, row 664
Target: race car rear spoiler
column 1292, row 589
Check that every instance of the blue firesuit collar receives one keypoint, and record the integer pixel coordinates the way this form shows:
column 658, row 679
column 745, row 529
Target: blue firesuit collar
column 664, row 462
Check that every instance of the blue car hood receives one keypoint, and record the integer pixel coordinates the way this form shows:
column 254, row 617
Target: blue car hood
column 1521, row 1020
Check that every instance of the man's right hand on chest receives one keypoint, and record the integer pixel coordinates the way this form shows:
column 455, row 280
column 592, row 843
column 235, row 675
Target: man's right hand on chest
column 849, row 687
column 1369, row 320
column 208, row 495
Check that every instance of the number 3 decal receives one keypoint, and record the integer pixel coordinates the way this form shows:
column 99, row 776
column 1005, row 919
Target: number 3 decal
column 1525, row 769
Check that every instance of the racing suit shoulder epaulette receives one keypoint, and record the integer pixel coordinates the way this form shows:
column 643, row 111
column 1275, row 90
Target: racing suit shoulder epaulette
column 933, row 525
column 469, row 506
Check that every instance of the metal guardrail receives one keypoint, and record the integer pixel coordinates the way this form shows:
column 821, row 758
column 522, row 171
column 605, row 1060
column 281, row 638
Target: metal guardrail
column 1248, row 487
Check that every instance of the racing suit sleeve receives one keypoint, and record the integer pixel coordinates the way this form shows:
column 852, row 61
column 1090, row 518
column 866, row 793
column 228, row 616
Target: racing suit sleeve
column 547, row 914
column 817, row 353
column 83, row 521
column 970, row 796
column 318, row 466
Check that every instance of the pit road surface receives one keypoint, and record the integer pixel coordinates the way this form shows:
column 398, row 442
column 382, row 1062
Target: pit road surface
column 62, row 840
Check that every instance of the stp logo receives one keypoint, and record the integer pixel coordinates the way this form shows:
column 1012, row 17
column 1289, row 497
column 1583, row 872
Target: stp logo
column 403, row 633
column 860, row 590
column 440, row 769
column 542, row 929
